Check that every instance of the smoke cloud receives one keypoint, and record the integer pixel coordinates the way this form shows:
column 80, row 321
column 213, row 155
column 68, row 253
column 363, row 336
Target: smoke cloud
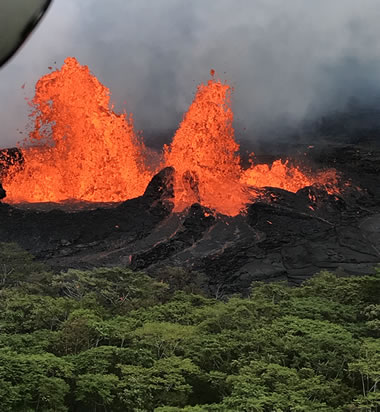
column 287, row 60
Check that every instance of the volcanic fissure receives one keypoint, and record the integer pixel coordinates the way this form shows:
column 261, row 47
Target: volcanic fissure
column 81, row 149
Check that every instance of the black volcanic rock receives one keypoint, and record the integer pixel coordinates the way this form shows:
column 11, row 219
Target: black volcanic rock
column 2, row 192
column 161, row 187
column 282, row 236
column 192, row 229
column 9, row 157
column 56, row 233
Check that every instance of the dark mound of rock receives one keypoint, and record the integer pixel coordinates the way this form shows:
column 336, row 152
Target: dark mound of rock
column 282, row 236
column 64, row 239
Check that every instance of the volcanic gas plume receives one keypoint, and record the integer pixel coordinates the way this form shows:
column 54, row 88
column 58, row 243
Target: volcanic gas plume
column 81, row 149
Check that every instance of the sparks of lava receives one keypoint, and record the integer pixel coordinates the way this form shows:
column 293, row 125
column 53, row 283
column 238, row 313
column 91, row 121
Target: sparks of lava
column 204, row 154
column 81, row 149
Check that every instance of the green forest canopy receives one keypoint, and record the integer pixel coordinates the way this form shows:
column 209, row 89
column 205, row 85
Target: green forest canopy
column 111, row 339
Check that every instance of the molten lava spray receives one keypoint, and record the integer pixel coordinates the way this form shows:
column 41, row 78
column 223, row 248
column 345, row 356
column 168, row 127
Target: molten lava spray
column 204, row 153
column 80, row 149
column 205, row 157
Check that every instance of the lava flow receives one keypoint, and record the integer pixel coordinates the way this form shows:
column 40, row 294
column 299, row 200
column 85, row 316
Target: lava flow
column 291, row 178
column 81, row 149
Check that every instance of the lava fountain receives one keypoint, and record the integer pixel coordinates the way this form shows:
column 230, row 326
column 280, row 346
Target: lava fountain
column 204, row 154
column 80, row 149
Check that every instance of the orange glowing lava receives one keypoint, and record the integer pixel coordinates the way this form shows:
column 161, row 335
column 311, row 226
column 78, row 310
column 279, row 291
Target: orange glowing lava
column 291, row 178
column 204, row 154
column 81, row 149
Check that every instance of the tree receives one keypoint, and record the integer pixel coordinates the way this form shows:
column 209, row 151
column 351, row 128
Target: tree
column 97, row 391
column 118, row 289
column 181, row 279
column 368, row 368
column 271, row 387
column 105, row 359
column 372, row 314
column 167, row 382
column 80, row 331
column 165, row 338
column 22, row 313
column 33, row 381
column 18, row 269
column 323, row 346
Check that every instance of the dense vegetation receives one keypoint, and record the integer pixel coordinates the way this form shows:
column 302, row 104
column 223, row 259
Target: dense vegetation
column 111, row 339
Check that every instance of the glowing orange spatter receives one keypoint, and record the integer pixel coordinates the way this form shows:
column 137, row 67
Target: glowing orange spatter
column 204, row 153
column 291, row 178
column 80, row 149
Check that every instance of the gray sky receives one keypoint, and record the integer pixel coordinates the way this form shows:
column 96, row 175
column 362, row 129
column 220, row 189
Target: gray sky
column 284, row 58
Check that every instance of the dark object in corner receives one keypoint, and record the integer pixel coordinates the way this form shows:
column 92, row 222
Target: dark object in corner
column 18, row 18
